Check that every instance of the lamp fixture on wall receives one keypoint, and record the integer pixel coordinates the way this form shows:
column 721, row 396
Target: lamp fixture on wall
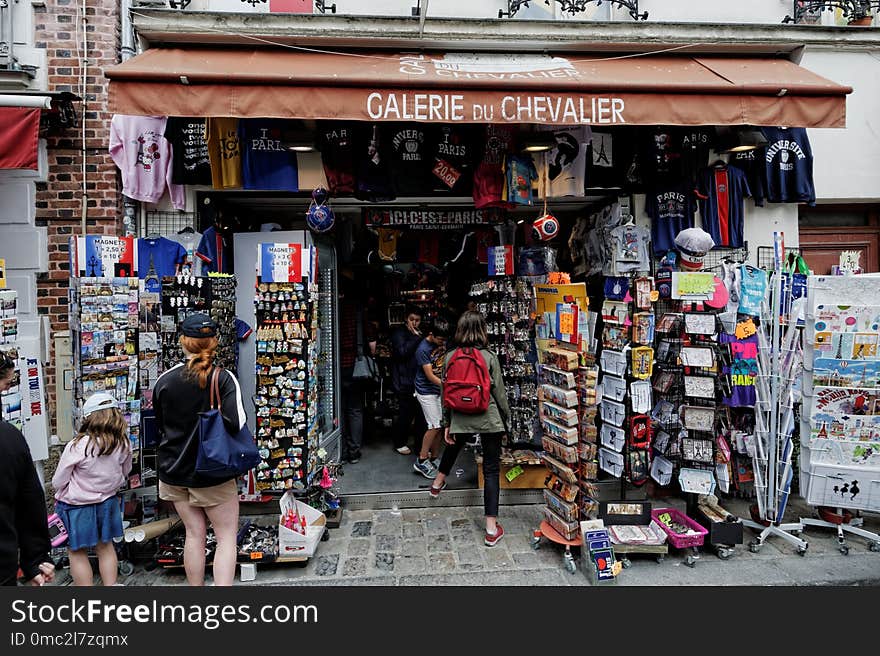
column 536, row 142
column 576, row 7
column 740, row 140
column 851, row 9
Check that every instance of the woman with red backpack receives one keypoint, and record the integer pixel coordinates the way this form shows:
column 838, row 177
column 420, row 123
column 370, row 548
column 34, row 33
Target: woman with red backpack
column 474, row 403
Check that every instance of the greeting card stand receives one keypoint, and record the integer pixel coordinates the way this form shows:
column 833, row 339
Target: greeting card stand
column 843, row 522
column 778, row 362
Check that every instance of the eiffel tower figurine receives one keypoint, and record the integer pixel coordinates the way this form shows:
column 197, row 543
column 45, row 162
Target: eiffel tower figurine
column 602, row 156
column 152, row 275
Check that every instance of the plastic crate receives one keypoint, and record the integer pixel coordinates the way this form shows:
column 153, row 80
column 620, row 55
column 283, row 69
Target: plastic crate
column 676, row 539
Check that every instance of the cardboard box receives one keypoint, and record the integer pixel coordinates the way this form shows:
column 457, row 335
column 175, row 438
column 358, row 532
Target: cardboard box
column 292, row 544
column 531, row 478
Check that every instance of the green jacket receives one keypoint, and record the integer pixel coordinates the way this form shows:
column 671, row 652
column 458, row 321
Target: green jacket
column 495, row 419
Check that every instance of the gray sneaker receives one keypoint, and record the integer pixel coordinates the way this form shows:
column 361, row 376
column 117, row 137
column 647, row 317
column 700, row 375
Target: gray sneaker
column 426, row 469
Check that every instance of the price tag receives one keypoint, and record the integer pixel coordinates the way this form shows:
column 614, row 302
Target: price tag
column 513, row 472
column 446, row 172
column 256, row 555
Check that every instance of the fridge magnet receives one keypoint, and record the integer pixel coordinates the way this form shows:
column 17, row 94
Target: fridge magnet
column 614, row 336
column 639, row 432
column 661, row 470
column 643, row 286
column 664, row 381
column 615, row 312
column 664, row 413
column 668, row 322
column 722, row 475
column 699, row 324
column 661, row 441
column 616, row 288
column 611, row 462
column 640, row 396
column 697, row 356
column 698, row 418
column 613, row 362
column 701, row 387
column 642, row 362
column 696, row 481
column 613, row 388
column 612, row 412
column 697, row 450
column 643, row 328
column 612, row 437
column 637, row 461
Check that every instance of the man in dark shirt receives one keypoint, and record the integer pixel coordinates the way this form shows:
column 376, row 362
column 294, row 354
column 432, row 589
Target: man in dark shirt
column 24, row 531
column 405, row 341
column 353, row 391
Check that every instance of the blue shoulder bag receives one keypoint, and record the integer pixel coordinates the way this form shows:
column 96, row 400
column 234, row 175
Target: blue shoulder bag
column 222, row 454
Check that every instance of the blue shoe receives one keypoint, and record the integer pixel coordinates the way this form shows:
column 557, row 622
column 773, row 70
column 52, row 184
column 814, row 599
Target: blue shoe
column 426, row 469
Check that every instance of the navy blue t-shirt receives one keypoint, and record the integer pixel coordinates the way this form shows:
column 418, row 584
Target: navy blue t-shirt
column 721, row 191
column 671, row 209
column 431, row 354
column 789, row 161
column 266, row 163
column 160, row 254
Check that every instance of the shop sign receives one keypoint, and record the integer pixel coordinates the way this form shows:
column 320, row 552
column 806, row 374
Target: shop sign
column 500, row 260
column 34, row 426
column 439, row 219
column 280, row 262
column 102, row 256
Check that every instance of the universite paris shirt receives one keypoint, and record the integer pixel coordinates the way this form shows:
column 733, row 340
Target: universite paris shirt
column 789, row 162
column 721, row 191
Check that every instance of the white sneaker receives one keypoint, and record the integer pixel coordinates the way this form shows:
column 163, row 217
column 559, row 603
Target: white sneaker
column 404, row 450
column 426, row 469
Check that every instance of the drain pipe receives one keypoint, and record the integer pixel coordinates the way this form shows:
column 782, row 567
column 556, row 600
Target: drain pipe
column 84, row 65
column 127, row 50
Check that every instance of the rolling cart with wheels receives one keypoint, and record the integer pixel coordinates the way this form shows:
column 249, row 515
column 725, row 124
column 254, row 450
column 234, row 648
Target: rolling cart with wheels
column 636, row 540
column 551, row 534
column 844, row 522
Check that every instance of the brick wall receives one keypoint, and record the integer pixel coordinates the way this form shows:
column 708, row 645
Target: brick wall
column 58, row 29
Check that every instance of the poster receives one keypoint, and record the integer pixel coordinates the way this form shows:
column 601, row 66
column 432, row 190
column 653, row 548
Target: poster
column 280, row 262
column 102, row 256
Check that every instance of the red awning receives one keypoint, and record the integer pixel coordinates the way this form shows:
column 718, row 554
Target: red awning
column 19, row 136
column 475, row 88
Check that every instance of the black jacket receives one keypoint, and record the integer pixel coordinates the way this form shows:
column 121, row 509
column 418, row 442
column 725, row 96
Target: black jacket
column 177, row 402
column 24, row 531
column 404, row 369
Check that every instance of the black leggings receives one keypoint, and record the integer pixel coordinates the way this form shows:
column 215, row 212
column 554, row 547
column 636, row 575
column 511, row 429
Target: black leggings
column 491, row 443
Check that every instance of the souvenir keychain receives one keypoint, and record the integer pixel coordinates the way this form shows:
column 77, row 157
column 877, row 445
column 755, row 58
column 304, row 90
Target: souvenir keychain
column 642, row 362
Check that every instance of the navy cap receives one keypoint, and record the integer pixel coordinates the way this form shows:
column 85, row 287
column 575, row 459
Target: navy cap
column 194, row 326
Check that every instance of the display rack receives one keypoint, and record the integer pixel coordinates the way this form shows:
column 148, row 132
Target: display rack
column 779, row 359
column 840, row 418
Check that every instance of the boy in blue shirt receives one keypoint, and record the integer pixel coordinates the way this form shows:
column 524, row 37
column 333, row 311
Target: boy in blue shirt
column 429, row 358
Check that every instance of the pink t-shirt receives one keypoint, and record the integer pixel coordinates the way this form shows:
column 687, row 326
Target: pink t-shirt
column 82, row 479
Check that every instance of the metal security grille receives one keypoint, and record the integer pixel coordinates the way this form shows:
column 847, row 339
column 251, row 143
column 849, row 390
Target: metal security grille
column 765, row 256
column 168, row 223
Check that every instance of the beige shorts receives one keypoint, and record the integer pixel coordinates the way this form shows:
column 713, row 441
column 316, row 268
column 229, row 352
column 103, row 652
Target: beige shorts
column 204, row 497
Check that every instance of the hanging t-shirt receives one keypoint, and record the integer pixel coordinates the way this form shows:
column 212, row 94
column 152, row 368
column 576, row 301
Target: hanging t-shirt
column 213, row 251
column 489, row 177
column 242, row 332
column 612, row 161
column 454, row 152
column 567, row 161
column 753, row 287
column 752, row 163
column 789, row 166
column 742, row 370
column 521, row 173
column 158, row 257
column 191, row 163
column 671, row 209
column 190, row 242
column 630, row 249
column 266, row 163
column 722, row 191
column 410, row 160
column 731, row 277
column 224, row 150
column 661, row 154
column 373, row 164
column 695, row 144
column 336, row 142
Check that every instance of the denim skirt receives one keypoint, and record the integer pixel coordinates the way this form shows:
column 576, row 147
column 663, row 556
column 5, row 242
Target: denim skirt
column 88, row 525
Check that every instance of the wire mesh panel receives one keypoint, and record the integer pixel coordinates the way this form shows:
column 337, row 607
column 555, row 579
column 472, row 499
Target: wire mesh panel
column 765, row 256
column 168, row 223
column 716, row 256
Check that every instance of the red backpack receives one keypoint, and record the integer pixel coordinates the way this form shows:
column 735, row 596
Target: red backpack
column 466, row 385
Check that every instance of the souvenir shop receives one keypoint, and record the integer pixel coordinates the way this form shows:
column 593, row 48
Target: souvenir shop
column 608, row 238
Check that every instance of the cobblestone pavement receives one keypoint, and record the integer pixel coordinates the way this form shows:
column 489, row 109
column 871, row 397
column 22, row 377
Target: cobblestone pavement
column 444, row 546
